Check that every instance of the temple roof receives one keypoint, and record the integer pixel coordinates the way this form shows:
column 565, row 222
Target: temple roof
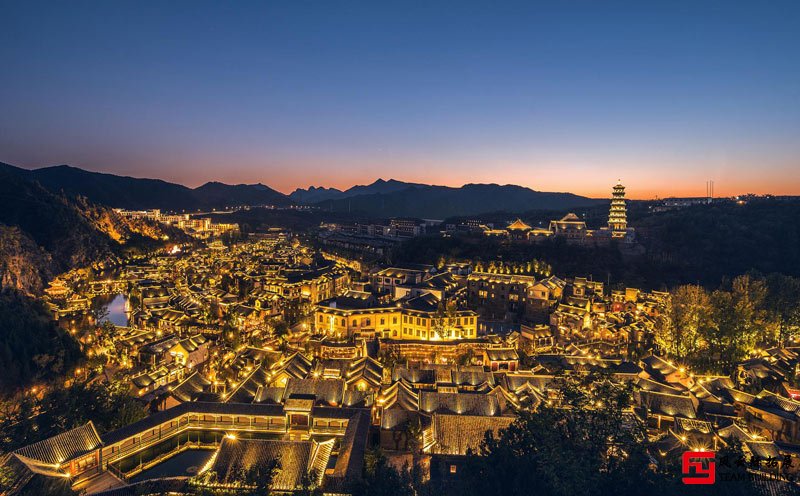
column 518, row 225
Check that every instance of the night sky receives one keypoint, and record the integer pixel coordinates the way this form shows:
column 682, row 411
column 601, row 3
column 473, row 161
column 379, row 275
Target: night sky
column 556, row 96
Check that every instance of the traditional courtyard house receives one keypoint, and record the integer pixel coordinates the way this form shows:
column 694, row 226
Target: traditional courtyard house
column 416, row 377
column 759, row 373
column 296, row 366
column 542, row 296
column 326, row 392
column 170, row 320
column 498, row 359
column 570, row 321
column 361, row 374
column 536, row 338
column 149, row 382
column 661, row 409
column 715, row 399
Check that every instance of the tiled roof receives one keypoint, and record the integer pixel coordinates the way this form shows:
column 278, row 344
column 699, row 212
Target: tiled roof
column 400, row 395
column 455, row 434
column 327, row 391
column 296, row 458
column 668, row 404
column 502, row 354
column 191, row 387
column 459, row 403
column 350, row 461
column 413, row 375
column 65, row 446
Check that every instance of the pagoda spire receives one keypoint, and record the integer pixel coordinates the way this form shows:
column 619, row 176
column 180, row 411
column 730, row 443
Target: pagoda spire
column 617, row 215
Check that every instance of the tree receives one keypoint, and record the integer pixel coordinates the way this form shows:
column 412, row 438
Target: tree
column 687, row 317
column 108, row 406
column 260, row 476
column 280, row 329
column 308, row 484
column 583, row 444
column 444, row 318
column 782, row 306
column 381, row 479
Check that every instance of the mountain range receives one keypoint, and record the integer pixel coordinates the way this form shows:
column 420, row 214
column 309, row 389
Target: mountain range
column 382, row 198
column 136, row 194
column 399, row 199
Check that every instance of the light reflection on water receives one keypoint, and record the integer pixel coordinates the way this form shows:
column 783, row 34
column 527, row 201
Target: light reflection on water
column 116, row 311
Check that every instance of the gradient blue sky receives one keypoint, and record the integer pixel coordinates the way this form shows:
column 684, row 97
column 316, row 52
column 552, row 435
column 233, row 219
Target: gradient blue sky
column 557, row 96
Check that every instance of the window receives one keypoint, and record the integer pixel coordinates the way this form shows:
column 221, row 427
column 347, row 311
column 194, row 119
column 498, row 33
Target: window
column 344, row 323
column 383, row 321
column 453, row 469
column 320, row 318
column 394, row 320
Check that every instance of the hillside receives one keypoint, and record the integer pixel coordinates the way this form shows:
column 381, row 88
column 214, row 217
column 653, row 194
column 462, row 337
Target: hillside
column 43, row 234
column 441, row 201
column 138, row 194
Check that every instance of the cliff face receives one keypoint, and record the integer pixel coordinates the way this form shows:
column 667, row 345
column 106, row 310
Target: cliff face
column 24, row 265
column 43, row 234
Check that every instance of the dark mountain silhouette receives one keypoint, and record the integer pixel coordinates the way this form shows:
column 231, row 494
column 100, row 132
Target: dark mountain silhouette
column 216, row 195
column 414, row 200
column 135, row 193
column 384, row 198
column 314, row 194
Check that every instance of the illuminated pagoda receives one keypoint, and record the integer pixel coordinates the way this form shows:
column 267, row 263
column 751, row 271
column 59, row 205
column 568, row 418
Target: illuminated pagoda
column 617, row 216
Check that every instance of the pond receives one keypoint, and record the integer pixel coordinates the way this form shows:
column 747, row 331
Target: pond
column 116, row 306
column 183, row 464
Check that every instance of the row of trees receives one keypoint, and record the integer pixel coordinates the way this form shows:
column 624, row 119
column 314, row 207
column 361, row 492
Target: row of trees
column 712, row 330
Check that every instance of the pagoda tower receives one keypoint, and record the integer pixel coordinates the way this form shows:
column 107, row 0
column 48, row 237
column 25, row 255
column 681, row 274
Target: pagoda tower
column 617, row 215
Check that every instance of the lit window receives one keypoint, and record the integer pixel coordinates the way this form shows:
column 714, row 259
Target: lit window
column 453, row 469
